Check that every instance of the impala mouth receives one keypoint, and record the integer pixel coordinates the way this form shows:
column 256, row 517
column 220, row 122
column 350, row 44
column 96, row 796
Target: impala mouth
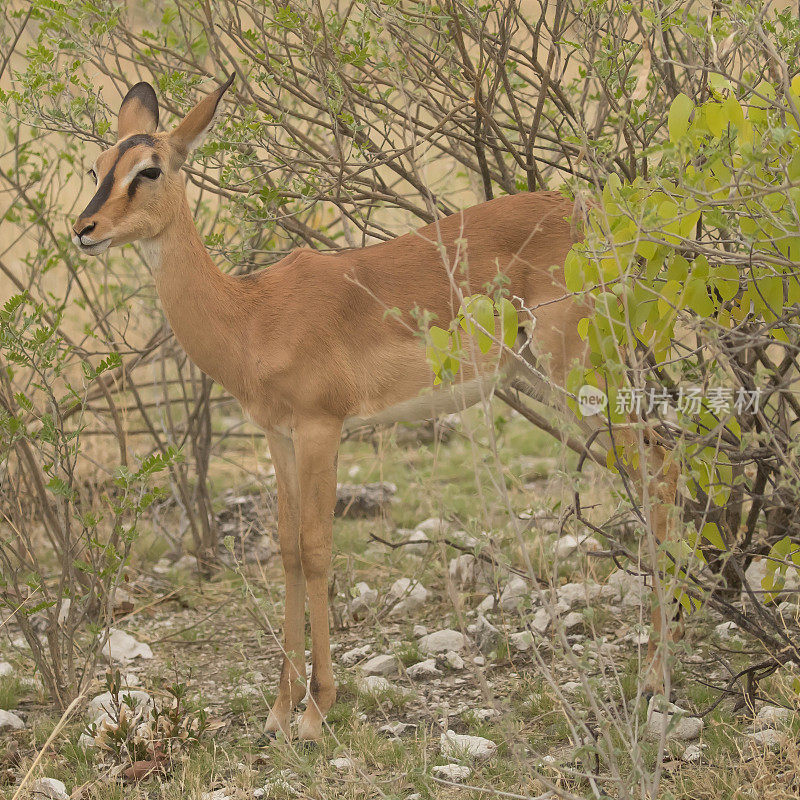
column 91, row 248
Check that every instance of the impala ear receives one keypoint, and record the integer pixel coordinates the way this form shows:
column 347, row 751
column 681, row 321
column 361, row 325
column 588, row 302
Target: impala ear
column 198, row 122
column 138, row 112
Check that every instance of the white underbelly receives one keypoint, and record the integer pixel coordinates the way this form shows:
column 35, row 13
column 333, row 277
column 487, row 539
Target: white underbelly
column 428, row 405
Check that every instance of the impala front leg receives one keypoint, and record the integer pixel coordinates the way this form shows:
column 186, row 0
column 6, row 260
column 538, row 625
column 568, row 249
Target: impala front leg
column 316, row 446
column 292, row 686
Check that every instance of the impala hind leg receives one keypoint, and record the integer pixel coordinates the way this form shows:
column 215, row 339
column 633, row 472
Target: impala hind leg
column 292, row 685
column 316, row 448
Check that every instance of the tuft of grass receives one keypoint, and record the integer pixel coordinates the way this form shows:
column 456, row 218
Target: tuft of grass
column 408, row 653
column 12, row 690
column 394, row 697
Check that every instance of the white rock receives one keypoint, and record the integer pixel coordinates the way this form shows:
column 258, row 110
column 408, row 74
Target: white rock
column 456, row 744
column 282, row 783
column 514, row 594
column 467, row 540
column 482, row 714
column 51, row 788
column 186, row 562
column 541, row 621
column 454, row 660
column 363, row 589
column 683, row 727
column 122, row 595
column 521, row 641
column 441, row 642
column 479, row 661
column 573, row 621
column 86, row 742
column 355, row 655
column 639, row 638
column 162, row 566
column 757, row 571
column 631, row 588
column 725, row 629
column 8, row 719
column 419, row 630
column 486, row 605
column 573, row 593
column 452, row 772
column 407, row 596
column 395, row 728
column 571, row 687
column 5, row 669
column 121, row 647
column 789, row 611
column 364, row 600
column 692, row 753
column 104, row 702
column 419, row 542
column 769, row 737
column 464, row 570
column 373, row 684
column 774, row 715
column 568, row 544
column 380, row 665
column 63, row 612
column 486, row 635
column 342, row 763
column 217, row 794
column 433, row 525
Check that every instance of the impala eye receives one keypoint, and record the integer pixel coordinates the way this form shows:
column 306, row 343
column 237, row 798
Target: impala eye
column 151, row 173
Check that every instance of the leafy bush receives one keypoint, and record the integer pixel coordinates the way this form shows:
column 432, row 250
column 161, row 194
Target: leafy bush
column 44, row 499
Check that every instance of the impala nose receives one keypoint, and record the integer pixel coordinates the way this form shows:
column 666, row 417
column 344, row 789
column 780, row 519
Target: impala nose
column 82, row 231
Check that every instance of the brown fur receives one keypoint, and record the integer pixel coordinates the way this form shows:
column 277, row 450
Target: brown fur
column 306, row 344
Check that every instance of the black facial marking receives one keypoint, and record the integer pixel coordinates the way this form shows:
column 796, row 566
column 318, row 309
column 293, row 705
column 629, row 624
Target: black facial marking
column 132, row 141
column 102, row 194
column 104, row 189
column 132, row 187
column 145, row 94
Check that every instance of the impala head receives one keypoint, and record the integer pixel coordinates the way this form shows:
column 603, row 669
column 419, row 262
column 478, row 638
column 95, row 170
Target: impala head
column 139, row 181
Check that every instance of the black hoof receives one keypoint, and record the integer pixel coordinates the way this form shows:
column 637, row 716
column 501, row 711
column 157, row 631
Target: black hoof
column 266, row 739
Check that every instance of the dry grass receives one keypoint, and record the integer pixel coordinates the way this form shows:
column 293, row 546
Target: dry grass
column 202, row 634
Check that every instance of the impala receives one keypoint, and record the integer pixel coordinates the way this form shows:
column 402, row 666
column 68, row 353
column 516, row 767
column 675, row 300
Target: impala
column 307, row 347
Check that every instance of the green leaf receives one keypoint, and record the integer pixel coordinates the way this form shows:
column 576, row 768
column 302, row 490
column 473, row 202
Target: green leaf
column 711, row 532
column 726, row 281
column 771, row 289
column 440, row 338
column 509, row 321
column 697, row 298
column 483, row 314
column 573, row 271
column 678, row 118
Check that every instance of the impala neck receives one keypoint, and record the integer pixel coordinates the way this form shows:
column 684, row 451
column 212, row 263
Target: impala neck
column 204, row 307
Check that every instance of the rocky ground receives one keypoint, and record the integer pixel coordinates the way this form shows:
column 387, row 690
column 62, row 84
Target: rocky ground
column 469, row 663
